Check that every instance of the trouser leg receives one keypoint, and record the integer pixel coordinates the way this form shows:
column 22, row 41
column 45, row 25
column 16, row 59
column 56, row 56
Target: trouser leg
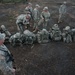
column 21, row 27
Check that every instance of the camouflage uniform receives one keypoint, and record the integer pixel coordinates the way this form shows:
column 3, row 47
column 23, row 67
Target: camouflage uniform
column 62, row 12
column 45, row 17
column 67, row 34
column 28, row 37
column 43, row 36
column 36, row 16
column 19, row 23
column 5, row 30
column 30, row 9
column 15, row 39
column 26, row 20
column 22, row 21
column 55, row 33
column 5, row 61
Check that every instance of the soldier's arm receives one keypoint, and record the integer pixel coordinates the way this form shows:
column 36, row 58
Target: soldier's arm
column 42, row 16
column 4, row 64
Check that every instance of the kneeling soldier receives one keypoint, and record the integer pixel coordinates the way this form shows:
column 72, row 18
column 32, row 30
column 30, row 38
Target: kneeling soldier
column 55, row 33
column 67, row 34
column 43, row 36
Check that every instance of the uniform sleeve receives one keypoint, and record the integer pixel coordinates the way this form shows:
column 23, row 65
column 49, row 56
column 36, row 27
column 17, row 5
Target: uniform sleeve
column 4, row 65
column 42, row 15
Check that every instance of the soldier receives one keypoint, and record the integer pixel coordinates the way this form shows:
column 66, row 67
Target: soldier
column 19, row 23
column 5, row 58
column 28, row 37
column 15, row 39
column 8, row 34
column 55, row 33
column 62, row 12
column 22, row 21
column 36, row 17
column 5, row 30
column 30, row 9
column 67, row 34
column 43, row 36
column 45, row 17
column 27, row 19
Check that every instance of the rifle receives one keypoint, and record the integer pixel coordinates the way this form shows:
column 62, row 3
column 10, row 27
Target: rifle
column 9, row 55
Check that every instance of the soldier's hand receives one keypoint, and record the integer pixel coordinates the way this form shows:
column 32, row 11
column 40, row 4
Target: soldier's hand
column 13, row 70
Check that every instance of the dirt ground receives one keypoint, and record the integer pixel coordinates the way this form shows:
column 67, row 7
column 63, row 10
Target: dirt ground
column 54, row 58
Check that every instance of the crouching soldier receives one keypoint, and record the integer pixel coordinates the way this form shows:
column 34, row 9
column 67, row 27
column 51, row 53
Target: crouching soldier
column 19, row 22
column 15, row 39
column 45, row 17
column 43, row 36
column 6, row 58
column 28, row 37
column 7, row 33
column 55, row 33
column 67, row 34
column 23, row 21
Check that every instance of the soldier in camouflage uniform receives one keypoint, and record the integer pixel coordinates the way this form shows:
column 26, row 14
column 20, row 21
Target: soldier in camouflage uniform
column 15, row 39
column 55, row 33
column 67, row 34
column 5, row 58
column 19, row 23
column 23, row 21
column 45, row 17
column 5, row 30
column 43, row 36
column 27, row 19
column 62, row 12
column 28, row 37
column 30, row 9
column 36, row 17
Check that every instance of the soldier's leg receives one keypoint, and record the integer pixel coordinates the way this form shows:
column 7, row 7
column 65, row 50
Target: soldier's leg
column 35, row 26
column 60, row 18
column 20, row 25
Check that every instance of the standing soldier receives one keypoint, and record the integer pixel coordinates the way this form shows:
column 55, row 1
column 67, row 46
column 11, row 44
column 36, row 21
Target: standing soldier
column 36, row 17
column 62, row 12
column 45, row 17
column 27, row 19
column 30, row 9
column 5, row 58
